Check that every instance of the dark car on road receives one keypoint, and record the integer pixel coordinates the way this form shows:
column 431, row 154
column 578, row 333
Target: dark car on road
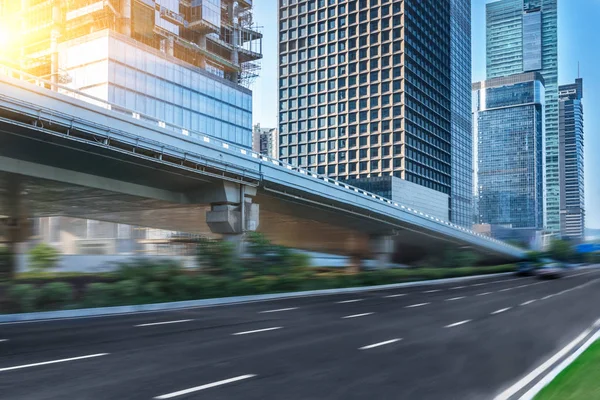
column 526, row 268
column 550, row 269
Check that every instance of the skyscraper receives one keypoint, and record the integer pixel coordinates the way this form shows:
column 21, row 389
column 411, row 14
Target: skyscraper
column 186, row 62
column 521, row 37
column 265, row 141
column 366, row 90
column 461, row 123
column 572, row 195
column 509, row 124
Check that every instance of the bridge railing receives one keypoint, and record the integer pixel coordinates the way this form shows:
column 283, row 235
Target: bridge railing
column 224, row 145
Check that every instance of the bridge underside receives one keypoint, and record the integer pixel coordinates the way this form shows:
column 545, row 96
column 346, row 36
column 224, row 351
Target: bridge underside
column 61, row 177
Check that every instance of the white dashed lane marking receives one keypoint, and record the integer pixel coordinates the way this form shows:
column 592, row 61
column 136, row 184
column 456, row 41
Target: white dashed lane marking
column 278, row 310
column 372, row 346
column 257, row 331
column 456, row 298
column 350, row 301
column 357, row 315
column 417, row 305
column 458, row 323
column 203, row 387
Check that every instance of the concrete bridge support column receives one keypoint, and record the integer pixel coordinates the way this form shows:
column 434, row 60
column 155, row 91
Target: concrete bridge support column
column 233, row 213
column 16, row 228
column 382, row 248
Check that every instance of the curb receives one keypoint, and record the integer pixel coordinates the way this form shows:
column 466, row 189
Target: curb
column 179, row 305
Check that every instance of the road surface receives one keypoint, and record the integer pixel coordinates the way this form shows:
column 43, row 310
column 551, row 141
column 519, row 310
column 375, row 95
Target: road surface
column 469, row 340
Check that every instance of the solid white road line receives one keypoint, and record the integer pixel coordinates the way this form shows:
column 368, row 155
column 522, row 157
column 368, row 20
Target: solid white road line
column 510, row 392
column 278, row 310
column 455, row 298
column 203, row 387
column 257, row 331
column 165, row 322
column 371, row 346
column 52, row 362
column 432, row 291
column 501, row 310
column 548, row 297
column 357, row 315
column 549, row 377
column 458, row 323
column 484, row 294
column 349, row 301
column 395, row 295
column 417, row 305
column 528, row 302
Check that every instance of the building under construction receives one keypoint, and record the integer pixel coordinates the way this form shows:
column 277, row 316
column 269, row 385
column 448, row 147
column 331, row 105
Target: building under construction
column 187, row 62
column 216, row 35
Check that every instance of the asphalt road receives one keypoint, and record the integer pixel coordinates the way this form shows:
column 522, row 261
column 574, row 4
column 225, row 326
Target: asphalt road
column 464, row 341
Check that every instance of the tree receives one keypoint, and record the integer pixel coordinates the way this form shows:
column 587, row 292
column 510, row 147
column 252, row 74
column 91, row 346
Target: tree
column 561, row 250
column 43, row 257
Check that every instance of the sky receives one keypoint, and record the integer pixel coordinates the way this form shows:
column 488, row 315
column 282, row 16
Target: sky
column 578, row 37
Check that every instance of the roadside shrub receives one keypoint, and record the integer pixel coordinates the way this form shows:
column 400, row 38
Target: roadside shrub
column 151, row 292
column 43, row 257
column 264, row 284
column 127, row 291
column 258, row 246
column 146, row 270
column 219, row 257
column 24, row 296
column 55, row 295
column 6, row 263
column 100, row 295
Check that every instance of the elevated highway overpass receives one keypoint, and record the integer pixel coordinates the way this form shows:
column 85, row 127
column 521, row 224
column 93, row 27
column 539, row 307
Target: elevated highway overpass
column 65, row 153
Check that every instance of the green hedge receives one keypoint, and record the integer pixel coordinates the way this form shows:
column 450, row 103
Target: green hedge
column 144, row 282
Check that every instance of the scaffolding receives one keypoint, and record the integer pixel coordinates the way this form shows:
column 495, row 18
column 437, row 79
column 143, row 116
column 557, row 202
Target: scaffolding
column 226, row 42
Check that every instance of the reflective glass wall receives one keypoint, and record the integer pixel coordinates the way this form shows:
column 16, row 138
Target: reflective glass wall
column 144, row 80
column 510, row 152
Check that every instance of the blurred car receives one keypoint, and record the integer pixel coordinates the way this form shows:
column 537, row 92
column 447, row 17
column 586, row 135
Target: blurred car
column 526, row 268
column 550, row 269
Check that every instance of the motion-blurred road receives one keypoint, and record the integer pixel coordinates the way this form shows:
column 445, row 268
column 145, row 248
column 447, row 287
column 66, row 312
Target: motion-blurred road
column 468, row 340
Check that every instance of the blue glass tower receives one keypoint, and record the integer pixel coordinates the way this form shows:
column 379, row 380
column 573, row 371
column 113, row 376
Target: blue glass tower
column 572, row 195
column 522, row 36
column 460, row 121
column 508, row 114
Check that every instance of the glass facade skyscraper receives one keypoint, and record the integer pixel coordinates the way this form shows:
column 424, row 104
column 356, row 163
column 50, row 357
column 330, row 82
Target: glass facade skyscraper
column 461, row 207
column 572, row 194
column 366, row 88
column 522, row 36
column 508, row 114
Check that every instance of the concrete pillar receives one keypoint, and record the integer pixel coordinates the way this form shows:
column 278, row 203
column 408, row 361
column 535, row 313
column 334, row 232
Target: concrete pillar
column 233, row 213
column 16, row 226
column 382, row 249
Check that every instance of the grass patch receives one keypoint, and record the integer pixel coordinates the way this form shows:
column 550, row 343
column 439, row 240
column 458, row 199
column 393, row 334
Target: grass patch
column 580, row 381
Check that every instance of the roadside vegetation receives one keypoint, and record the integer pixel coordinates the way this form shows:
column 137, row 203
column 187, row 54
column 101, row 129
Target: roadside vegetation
column 580, row 381
column 267, row 269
